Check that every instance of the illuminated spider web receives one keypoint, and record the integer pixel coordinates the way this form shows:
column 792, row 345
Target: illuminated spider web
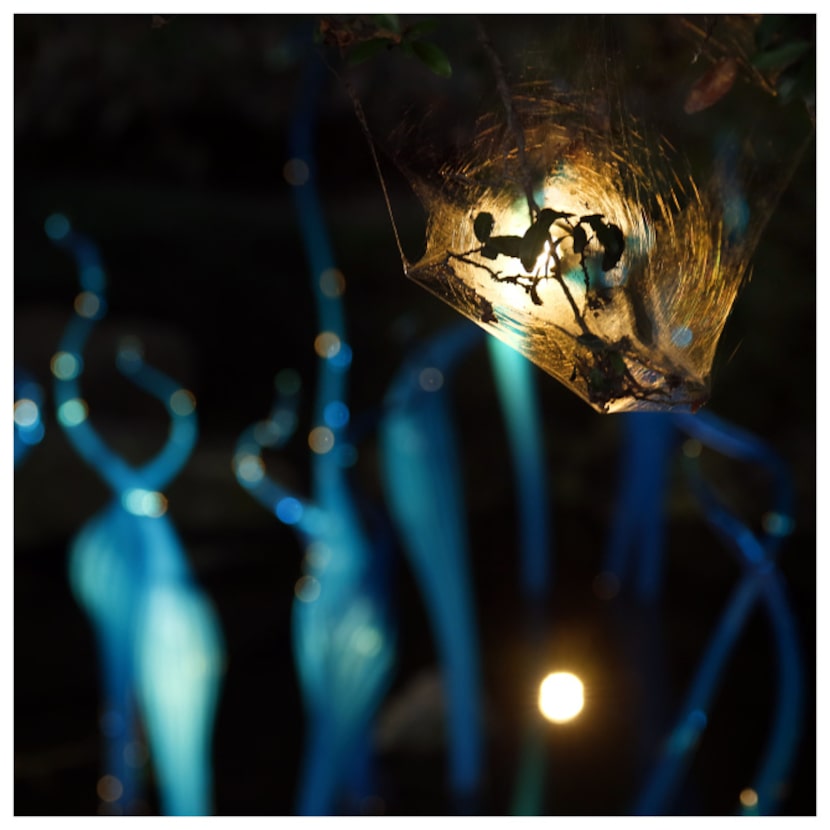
column 571, row 228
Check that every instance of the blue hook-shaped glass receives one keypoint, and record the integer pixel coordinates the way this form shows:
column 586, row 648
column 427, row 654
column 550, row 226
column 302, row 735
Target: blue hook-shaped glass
column 160, row 643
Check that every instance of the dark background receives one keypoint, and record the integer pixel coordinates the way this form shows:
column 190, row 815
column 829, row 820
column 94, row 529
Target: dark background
column 165, row 144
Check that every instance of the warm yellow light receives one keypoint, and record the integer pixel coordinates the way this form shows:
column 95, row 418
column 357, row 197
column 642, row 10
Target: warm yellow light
column 327, row 344
column 87, row 304
column 321, row 440
column 109, row 788
column 541, row 265
column 561, row 697
column 749, row 798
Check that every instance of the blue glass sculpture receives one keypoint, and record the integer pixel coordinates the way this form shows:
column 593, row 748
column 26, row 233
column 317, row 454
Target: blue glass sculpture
column 515, row 383
column 28, row 420
column 423, row 489
column 636, row 545
column 343, row 641
column 160, row 645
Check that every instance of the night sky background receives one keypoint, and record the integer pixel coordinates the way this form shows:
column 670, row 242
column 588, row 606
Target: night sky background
column 165, row 144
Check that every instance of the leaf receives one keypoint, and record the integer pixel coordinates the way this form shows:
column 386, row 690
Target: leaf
column 422, row 27
column 433, row 57
column 390, row 22
column 781, row 57
column 769, row 29
column 483, row 226
column 366, row 50
column 710, row 88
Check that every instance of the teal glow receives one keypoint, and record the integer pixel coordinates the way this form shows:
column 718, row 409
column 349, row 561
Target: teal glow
column 179, row 662
column 73, row 412
column 66, row 366
column 26, row 413
column 142, row 502
column 28, row 424
column 181, row 402
column 249, row 468
column 57, row 227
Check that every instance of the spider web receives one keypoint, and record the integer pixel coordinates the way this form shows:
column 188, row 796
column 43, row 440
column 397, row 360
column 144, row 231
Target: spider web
column 574, row 210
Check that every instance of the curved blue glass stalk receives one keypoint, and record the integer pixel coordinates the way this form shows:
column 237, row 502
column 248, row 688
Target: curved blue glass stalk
column 28, row 409
column 638, row 526
column 159, row 641
column 516, row 387
column 761, row 580
column 343, row 643
column 421, row 480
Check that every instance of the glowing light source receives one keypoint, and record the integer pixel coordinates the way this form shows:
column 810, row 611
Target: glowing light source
column 87, row 304
column 332, row 283
column 26, row 412
column 321, row 440
column 748, row 797
column 561, row 697
column 73, row 412
column 28, row 424
column 248, row 467
column 65, row 365
column 109, row 788
column 289, row 510
column 610, row 261
column 327, row 344
column 142, row 502
column 182, row 402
